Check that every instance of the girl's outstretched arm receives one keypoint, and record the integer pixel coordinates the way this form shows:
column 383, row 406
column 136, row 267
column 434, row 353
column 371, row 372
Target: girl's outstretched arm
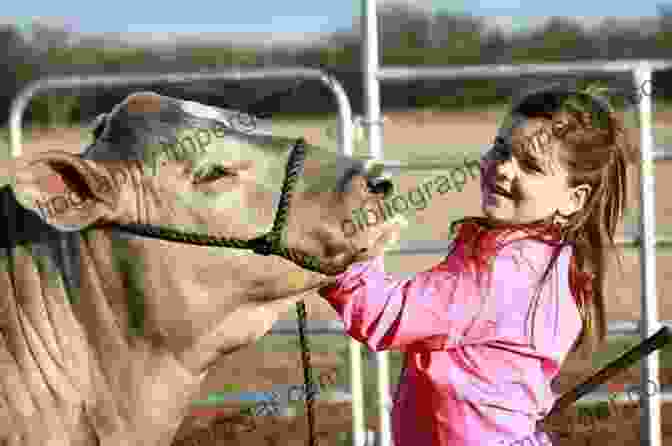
column 385, row 313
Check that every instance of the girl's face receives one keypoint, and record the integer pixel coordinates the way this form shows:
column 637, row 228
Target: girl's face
column 531, row 185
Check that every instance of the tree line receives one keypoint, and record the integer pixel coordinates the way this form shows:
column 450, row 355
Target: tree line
column 407, row 37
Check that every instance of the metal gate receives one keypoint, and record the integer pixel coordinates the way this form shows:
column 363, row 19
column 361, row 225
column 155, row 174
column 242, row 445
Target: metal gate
column 641, row 70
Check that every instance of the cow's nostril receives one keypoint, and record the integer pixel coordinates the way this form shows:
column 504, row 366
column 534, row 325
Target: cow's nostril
column 380, row 186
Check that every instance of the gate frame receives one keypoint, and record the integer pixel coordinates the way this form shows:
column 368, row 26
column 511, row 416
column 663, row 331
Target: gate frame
column 641, row 70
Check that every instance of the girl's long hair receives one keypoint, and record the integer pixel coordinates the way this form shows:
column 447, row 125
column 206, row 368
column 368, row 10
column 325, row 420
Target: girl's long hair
column 595, row 149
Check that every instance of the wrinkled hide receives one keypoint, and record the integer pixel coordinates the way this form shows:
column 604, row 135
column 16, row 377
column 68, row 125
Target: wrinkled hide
column 105, row 337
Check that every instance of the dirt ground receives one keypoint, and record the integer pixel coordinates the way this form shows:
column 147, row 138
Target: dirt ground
column 412, row 128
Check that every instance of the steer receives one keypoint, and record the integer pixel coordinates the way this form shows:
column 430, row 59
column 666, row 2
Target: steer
column 105, row 336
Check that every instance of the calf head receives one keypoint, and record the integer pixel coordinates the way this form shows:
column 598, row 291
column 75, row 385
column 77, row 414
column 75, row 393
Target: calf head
column 195, row 168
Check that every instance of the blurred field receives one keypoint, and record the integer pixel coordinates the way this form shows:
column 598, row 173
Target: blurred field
column 410, row 136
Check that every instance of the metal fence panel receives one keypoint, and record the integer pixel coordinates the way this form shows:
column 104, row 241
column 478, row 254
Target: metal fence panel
column 641, row 70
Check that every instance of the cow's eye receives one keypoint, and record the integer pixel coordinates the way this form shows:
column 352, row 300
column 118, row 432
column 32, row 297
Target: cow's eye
column 213, row 173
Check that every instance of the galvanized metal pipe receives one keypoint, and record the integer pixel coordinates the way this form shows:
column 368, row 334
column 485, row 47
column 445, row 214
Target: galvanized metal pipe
column 23, row 97
column 651, row 434
column 372, row 122
column 409, row 74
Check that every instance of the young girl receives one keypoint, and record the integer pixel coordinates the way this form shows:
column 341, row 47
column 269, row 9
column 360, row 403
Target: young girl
column 486, row 330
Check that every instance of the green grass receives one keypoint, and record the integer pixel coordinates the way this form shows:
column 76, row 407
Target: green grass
column 27, row 135
column 662, row 136
column 618, row 345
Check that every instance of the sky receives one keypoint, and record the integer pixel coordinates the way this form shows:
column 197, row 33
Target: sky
column 295, row 18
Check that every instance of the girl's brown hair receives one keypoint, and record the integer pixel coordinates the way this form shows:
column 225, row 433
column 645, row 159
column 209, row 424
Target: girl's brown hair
column 595, row 149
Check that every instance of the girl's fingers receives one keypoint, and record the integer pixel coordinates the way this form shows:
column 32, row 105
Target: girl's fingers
column 368, row 244
column 388, row 239
column 392, row 234
column 385, row 242
column 388, row 231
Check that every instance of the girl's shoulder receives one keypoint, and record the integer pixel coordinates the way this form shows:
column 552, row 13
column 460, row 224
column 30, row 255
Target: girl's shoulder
column 517, row 255
column 530, row 254
column 531, row 247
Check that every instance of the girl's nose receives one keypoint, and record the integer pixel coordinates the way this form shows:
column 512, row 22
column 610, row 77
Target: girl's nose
column 505, row 170
column 499, row 162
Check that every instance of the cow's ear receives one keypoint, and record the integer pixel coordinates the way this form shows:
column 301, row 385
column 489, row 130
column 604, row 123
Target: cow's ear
column 66, row 191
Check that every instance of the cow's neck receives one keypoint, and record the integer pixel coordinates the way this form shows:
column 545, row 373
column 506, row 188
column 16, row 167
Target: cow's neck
column 137, row 369
column 102, row 386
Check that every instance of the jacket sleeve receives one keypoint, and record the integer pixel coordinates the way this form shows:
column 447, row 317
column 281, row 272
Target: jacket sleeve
column 385, row 313
column 445, row 306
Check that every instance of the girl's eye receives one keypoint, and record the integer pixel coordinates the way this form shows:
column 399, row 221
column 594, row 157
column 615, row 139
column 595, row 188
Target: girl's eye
column 213, row 173
column 531, row 165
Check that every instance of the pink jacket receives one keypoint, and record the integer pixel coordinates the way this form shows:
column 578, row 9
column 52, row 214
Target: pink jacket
column 475, row 372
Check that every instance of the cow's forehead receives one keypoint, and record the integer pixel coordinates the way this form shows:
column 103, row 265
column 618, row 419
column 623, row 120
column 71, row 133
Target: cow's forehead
column 186, row 114
column 147, row 121
column 148, row 127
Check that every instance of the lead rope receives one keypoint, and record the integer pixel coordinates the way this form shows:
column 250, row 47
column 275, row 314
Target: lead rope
column 269, row 243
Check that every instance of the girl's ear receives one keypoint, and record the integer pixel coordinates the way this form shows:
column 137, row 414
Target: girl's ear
column 67, row 192
column 579, row 197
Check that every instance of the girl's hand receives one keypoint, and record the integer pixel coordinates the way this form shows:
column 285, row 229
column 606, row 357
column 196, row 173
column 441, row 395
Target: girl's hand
column 367, row 245
column 375, row 241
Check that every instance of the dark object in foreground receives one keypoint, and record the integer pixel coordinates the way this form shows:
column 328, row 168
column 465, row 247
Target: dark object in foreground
column 644, row 348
